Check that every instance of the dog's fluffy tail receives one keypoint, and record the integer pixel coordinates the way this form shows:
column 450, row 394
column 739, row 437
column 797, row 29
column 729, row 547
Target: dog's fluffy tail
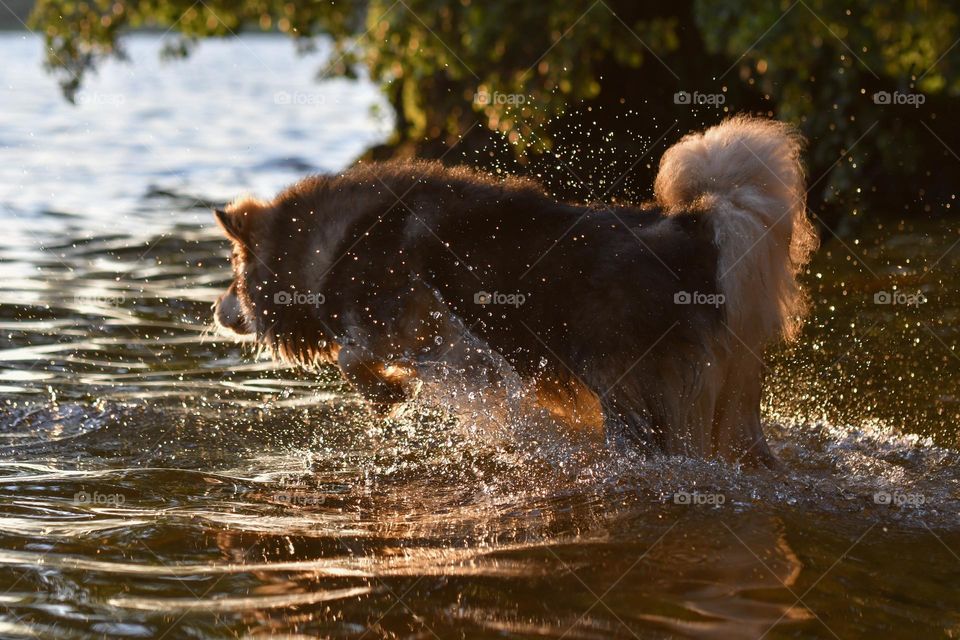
column 745, row 173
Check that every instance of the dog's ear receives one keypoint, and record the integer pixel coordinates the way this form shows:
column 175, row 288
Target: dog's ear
column 229, row 224
column 239, row 217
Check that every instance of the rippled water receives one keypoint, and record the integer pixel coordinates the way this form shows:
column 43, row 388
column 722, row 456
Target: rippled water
column 158, row 482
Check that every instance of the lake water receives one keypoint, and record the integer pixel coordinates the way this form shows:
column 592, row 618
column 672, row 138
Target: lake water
column 158, row 482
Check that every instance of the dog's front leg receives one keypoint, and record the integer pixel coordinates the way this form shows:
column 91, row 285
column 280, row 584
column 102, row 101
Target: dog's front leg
column 379, row 384
column 626, row 422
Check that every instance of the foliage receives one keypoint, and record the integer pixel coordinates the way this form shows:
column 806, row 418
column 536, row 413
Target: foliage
column 519, row 66
column 822, row 62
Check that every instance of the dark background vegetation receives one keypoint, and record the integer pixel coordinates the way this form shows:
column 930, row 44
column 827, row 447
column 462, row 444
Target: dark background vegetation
column 598, row 79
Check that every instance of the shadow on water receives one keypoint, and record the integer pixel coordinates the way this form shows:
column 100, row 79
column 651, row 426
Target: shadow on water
column 155, row 479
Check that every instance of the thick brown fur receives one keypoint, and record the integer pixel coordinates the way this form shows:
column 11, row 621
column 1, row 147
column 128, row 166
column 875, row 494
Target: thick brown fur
column 649, row 321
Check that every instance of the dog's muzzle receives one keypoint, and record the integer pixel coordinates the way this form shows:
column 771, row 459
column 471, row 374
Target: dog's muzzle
column 228, row 314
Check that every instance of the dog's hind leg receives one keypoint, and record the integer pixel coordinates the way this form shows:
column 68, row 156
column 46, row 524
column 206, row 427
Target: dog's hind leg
column 737, row 432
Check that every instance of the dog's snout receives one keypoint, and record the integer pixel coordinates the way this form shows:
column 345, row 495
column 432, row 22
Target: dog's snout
column 228, row 314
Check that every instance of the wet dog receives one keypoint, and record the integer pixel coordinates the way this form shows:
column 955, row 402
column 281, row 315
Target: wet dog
column 649, row 320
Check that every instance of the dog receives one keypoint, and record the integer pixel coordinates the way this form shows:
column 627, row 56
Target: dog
column 648, row 322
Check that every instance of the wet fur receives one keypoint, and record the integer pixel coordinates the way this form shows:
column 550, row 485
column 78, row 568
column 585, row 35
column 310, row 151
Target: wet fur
column 400, row 250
